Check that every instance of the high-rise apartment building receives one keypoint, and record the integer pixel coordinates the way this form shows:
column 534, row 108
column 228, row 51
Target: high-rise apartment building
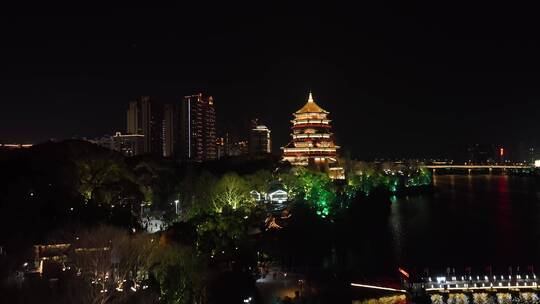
column 259, row 140
column 171, row 130
column 143, row 118
column 198, row 131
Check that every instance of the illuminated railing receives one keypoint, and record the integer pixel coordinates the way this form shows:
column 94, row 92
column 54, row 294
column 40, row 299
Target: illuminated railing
column 308, row 136
column 478, row 167
column 470, row 283
column 310, row 155
column 311, row 125
column 491, row 286
column 309, row 150
column 305, row 116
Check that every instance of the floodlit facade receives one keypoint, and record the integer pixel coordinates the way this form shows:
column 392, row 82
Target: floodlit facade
column 259, row 140
column 312, row 138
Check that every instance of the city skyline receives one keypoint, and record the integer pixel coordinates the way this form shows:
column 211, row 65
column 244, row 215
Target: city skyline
column 162, row 136
column 412, row 78
column 258, row 152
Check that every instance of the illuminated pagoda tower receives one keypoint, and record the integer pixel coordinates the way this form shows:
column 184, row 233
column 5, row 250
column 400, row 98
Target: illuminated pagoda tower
column 312, row 140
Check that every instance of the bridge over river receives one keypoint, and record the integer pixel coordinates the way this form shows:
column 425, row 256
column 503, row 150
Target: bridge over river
column 478, row 283
column 461, row 284
column 470, row 168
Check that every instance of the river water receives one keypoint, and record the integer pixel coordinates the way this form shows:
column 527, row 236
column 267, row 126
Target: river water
column 472, row 221
column 490, row 223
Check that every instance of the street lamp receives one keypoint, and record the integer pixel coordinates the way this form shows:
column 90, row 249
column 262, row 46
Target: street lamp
column 176, row 204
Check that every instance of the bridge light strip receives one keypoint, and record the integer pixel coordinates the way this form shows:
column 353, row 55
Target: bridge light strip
column 485, row 287
column 478, row 167
column 377, row 287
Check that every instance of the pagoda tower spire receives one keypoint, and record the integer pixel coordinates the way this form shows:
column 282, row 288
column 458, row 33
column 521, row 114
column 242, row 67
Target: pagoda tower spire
column 312, row 138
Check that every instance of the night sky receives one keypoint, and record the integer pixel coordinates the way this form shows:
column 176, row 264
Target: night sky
column 400, row 80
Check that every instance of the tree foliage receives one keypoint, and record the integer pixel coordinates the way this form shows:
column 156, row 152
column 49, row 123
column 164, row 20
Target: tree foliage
column 181, row 275
column 260, row 180
column 104, row 179
column 231, row 191
column 112, row 259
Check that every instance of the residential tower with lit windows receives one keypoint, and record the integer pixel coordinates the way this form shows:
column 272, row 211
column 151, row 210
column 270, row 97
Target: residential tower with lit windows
column 198, row 128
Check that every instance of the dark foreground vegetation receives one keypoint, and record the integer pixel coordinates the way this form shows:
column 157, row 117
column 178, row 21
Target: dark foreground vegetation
column 82, row 205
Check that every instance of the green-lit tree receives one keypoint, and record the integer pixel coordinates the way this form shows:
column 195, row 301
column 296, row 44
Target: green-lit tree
column 418, row 177
column 97, row 174
column 319, row 191
column 292, row 183
column 158, row 180
column 197, row 194
column 260, row 181
column 232, row 191
column 105, row 178
column 220, row 233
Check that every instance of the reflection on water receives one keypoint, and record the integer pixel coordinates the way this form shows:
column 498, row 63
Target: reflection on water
column 462, row 298
column 469, row 220
column 485, row 298
column 397, row 299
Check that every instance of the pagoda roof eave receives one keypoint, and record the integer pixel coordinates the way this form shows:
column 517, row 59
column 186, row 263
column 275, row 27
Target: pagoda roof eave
column 311, row 108
column 306, row 111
